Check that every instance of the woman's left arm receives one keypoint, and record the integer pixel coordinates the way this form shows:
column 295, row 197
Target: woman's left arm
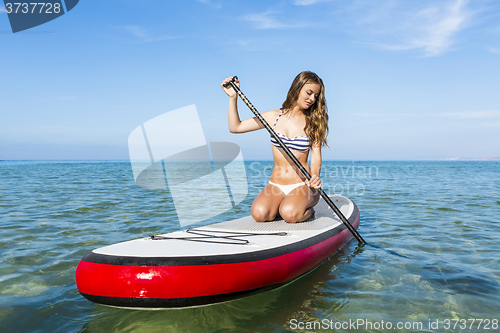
column 315, row 182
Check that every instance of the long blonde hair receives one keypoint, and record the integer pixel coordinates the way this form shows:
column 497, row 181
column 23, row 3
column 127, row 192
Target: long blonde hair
column 316, row 127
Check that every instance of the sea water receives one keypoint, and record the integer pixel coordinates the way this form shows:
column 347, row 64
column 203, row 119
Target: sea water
column 434, row 265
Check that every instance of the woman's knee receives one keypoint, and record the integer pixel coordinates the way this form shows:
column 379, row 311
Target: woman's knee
column 290, row 214
column 261, row 213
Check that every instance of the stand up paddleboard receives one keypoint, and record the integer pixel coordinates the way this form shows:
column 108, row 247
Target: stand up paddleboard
column 215, row 263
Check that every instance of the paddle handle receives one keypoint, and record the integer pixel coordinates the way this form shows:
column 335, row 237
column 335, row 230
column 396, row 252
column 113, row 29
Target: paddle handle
column 294, row 159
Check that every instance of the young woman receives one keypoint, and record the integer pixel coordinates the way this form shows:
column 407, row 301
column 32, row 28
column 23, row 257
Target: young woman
column 302, row 124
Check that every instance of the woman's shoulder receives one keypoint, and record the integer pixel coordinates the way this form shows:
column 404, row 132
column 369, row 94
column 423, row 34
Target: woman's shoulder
column 271, row 114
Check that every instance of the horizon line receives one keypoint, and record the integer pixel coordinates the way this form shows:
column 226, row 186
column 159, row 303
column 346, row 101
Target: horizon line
column 446, row 159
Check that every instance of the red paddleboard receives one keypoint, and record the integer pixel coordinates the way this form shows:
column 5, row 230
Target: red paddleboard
column 215, row 263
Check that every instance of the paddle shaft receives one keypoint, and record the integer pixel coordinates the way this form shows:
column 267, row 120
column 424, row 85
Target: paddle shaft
column 294, row 159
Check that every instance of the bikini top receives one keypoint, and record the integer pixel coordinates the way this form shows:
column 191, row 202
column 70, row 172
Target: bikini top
column 300, row 143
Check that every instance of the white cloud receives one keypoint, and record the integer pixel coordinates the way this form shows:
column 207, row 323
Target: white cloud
column 473, row 114
column 492, row 49
column 428, row 26
column 494, row 124
column 307, row 2
column 483, row 115
column 432, row 27
column 142, row 34
column 136, row 31
column 385, row 115
column 211, row 4
column 439, row 25
column 266, row 21
column 66, row 97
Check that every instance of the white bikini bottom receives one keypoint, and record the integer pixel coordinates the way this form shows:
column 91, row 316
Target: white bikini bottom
column 287, row 188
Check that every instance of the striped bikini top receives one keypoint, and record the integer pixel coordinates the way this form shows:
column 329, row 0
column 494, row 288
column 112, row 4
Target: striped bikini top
column 300, row 143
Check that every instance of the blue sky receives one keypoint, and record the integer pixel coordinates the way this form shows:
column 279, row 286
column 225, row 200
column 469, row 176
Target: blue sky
column 404, row 79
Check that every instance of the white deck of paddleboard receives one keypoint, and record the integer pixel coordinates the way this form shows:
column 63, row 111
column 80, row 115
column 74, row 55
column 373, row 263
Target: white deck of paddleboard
column 261, row 237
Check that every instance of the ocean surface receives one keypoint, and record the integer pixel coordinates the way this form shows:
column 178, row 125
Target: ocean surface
column 434, row 266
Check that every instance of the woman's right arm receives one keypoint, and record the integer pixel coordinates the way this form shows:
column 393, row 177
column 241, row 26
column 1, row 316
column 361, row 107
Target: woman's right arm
column 235, row 124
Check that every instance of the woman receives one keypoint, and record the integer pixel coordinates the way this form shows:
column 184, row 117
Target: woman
column 302, row 124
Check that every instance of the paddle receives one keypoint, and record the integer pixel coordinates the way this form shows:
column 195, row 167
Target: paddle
column 294, row 159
